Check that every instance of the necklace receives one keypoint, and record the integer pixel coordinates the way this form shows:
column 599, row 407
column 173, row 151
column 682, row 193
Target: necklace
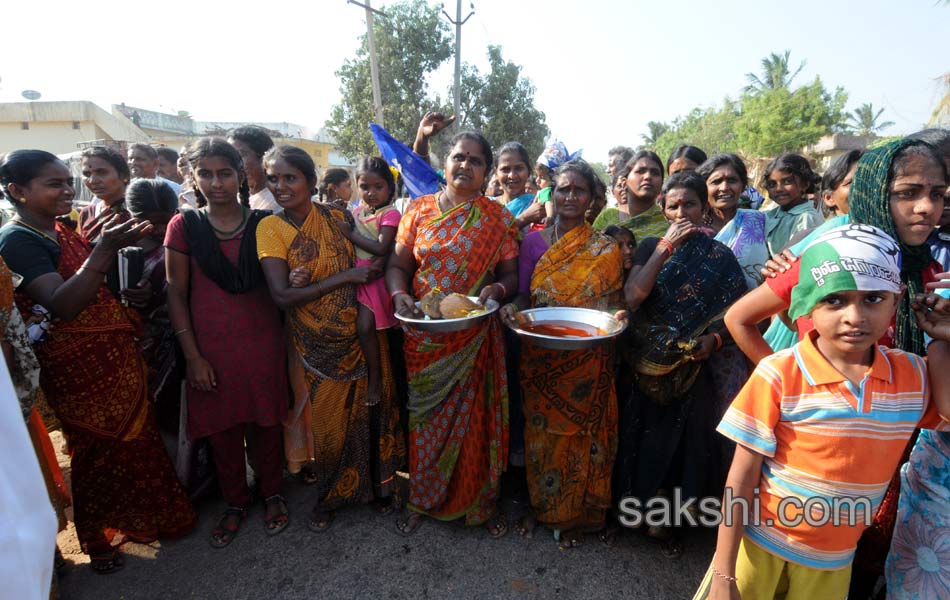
column 233, row 231
column 19, row 220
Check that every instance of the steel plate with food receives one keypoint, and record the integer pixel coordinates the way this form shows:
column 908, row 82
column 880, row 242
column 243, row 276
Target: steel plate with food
column 449, row 312
column 564, row 328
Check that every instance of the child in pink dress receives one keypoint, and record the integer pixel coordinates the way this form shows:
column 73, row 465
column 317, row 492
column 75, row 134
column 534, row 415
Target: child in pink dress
column 376, row 221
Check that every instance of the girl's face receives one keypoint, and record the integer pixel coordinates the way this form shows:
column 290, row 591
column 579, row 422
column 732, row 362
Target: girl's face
column 917, row 199
column 627, row 248
column 159, row 221
column 542, row 175
column 571, row 195
column 620, row 191
column 682, row 204
column 724, row 187
column 217, row 180
column 494, row 188
column 784, row 188
column 48, row 195
column 681, row 164
column 837, row 199
column 102, row 179
column 288, row 184
column 341, row 191
column 374, row 191
column 645, row 179
column 465, row 167
column 512, row 174
column 252, row 164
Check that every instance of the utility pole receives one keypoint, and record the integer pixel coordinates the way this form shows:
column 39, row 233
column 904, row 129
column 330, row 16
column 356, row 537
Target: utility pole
column 458, row 22
column 373, row 66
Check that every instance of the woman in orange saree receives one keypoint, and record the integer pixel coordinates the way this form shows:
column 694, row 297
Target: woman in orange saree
column 93, row 374
column 457, row 241
column 354, row 449
column 570, row 401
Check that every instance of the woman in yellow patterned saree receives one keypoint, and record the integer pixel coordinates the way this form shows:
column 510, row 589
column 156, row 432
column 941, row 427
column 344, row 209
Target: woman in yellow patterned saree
column 308, row 264
column 459, row 241
column 570, row 401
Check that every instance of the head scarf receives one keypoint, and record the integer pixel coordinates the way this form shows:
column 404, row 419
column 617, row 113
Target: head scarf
column 870, row 204
column 850, row 258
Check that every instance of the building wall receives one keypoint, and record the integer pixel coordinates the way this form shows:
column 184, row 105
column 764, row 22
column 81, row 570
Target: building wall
column 58, row 127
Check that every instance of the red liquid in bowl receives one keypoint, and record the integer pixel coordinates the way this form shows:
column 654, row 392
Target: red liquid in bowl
column 562, row 329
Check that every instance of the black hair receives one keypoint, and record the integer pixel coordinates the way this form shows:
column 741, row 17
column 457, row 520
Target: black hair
column 207, row 147
column 255, row 137
column 168, row 154
column 624, row 152
column 145, row 196
column 838, row 170
column 688, row 180
column 333, row 176
column 925, row 150
column 937, row 137
column 613, row 230
column 516, row 148
column 296, row 158
column 111, row 156
column 795, row 164
column 150, row 152
column 582, row 168
column 640, row 155
column 377, row 166
column 474, row 136
column 691, row 153
column 22, row 166
column 710, row 165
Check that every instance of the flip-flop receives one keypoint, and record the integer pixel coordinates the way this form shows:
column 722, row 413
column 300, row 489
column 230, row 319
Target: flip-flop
column 279, row 522
column 497, row 526
column 224, row 534
column 104, row 564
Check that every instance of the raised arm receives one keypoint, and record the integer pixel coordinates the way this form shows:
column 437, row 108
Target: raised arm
column 643, row 276
column 431, row 124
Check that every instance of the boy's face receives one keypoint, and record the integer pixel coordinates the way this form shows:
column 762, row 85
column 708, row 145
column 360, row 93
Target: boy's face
column 853, row 321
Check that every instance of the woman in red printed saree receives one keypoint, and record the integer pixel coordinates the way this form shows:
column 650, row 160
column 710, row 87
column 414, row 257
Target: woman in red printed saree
column 458, row 241
column 93, row 373
column 570, row 400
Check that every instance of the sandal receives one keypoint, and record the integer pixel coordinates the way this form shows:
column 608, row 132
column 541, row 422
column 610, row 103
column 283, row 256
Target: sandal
column 308, row 476
column 497, row 525
column 103, row 564
column 408, row 523
column 320, row 520
column 227, row 528
column 278, row 522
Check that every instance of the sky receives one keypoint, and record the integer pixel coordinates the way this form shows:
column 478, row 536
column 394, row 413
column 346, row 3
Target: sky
column 602, row 68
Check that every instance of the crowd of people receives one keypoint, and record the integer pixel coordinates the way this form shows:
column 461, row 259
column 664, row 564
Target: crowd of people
column 772, row 344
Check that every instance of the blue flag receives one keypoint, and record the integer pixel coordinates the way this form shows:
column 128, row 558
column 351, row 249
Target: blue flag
column 419, row 177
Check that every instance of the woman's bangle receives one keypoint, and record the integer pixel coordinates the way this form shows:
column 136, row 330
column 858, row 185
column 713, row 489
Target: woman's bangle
column 665, row 244
column 504, row 290
column 722, row 575
column 393, row 295
column 181, row 331
column 718, row 341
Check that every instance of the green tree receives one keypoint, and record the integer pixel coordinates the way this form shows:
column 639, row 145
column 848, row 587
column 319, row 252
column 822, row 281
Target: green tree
column 779, row 120
column 411, row 42
column 711, row 129
column 656, row 130
column 864, row 120
column 500, row 104
column 776, row 74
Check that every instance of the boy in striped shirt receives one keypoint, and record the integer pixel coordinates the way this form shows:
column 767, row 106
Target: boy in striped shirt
column 820, row 427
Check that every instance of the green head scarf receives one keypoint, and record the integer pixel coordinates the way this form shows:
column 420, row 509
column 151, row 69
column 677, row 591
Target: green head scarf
column 870, row 202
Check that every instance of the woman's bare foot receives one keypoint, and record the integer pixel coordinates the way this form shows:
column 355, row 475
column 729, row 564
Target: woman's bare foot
column 570, row 538
column 408, row 523
column 497, row 525
column 525, row 526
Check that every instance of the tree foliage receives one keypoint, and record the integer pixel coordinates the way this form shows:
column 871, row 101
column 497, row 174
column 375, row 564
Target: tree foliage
column 500, row 104
column 656, row 130
column 864, row 121
column 776, row 74
column 711, row 129
column 411, row 42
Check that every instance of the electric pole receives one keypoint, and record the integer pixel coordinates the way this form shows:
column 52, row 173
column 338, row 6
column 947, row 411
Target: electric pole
column 373, row 66
column 458, row 22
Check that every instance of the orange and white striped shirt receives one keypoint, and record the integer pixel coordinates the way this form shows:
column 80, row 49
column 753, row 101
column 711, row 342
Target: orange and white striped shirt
column 823, row 438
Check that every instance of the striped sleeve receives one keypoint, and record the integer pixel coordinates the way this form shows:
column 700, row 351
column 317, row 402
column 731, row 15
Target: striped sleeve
column 753, row 415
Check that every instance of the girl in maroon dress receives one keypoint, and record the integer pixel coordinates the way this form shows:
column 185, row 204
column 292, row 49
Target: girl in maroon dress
column 230, row 333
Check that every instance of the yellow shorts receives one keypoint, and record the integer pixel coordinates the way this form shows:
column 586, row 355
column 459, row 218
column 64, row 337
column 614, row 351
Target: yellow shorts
column 762, row 575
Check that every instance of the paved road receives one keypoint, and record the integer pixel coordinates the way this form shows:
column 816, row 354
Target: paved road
column 362, row 556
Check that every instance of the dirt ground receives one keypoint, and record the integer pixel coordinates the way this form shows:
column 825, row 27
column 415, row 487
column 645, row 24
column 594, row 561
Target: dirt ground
column 362, row 556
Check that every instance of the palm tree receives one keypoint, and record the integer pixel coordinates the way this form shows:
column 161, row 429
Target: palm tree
column 864, row 120
column 941, row 114
column 776, row 74
column 656, row 130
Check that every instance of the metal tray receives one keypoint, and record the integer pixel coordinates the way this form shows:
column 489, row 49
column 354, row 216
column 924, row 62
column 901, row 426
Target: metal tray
column 447, row 325
column 585, row 316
